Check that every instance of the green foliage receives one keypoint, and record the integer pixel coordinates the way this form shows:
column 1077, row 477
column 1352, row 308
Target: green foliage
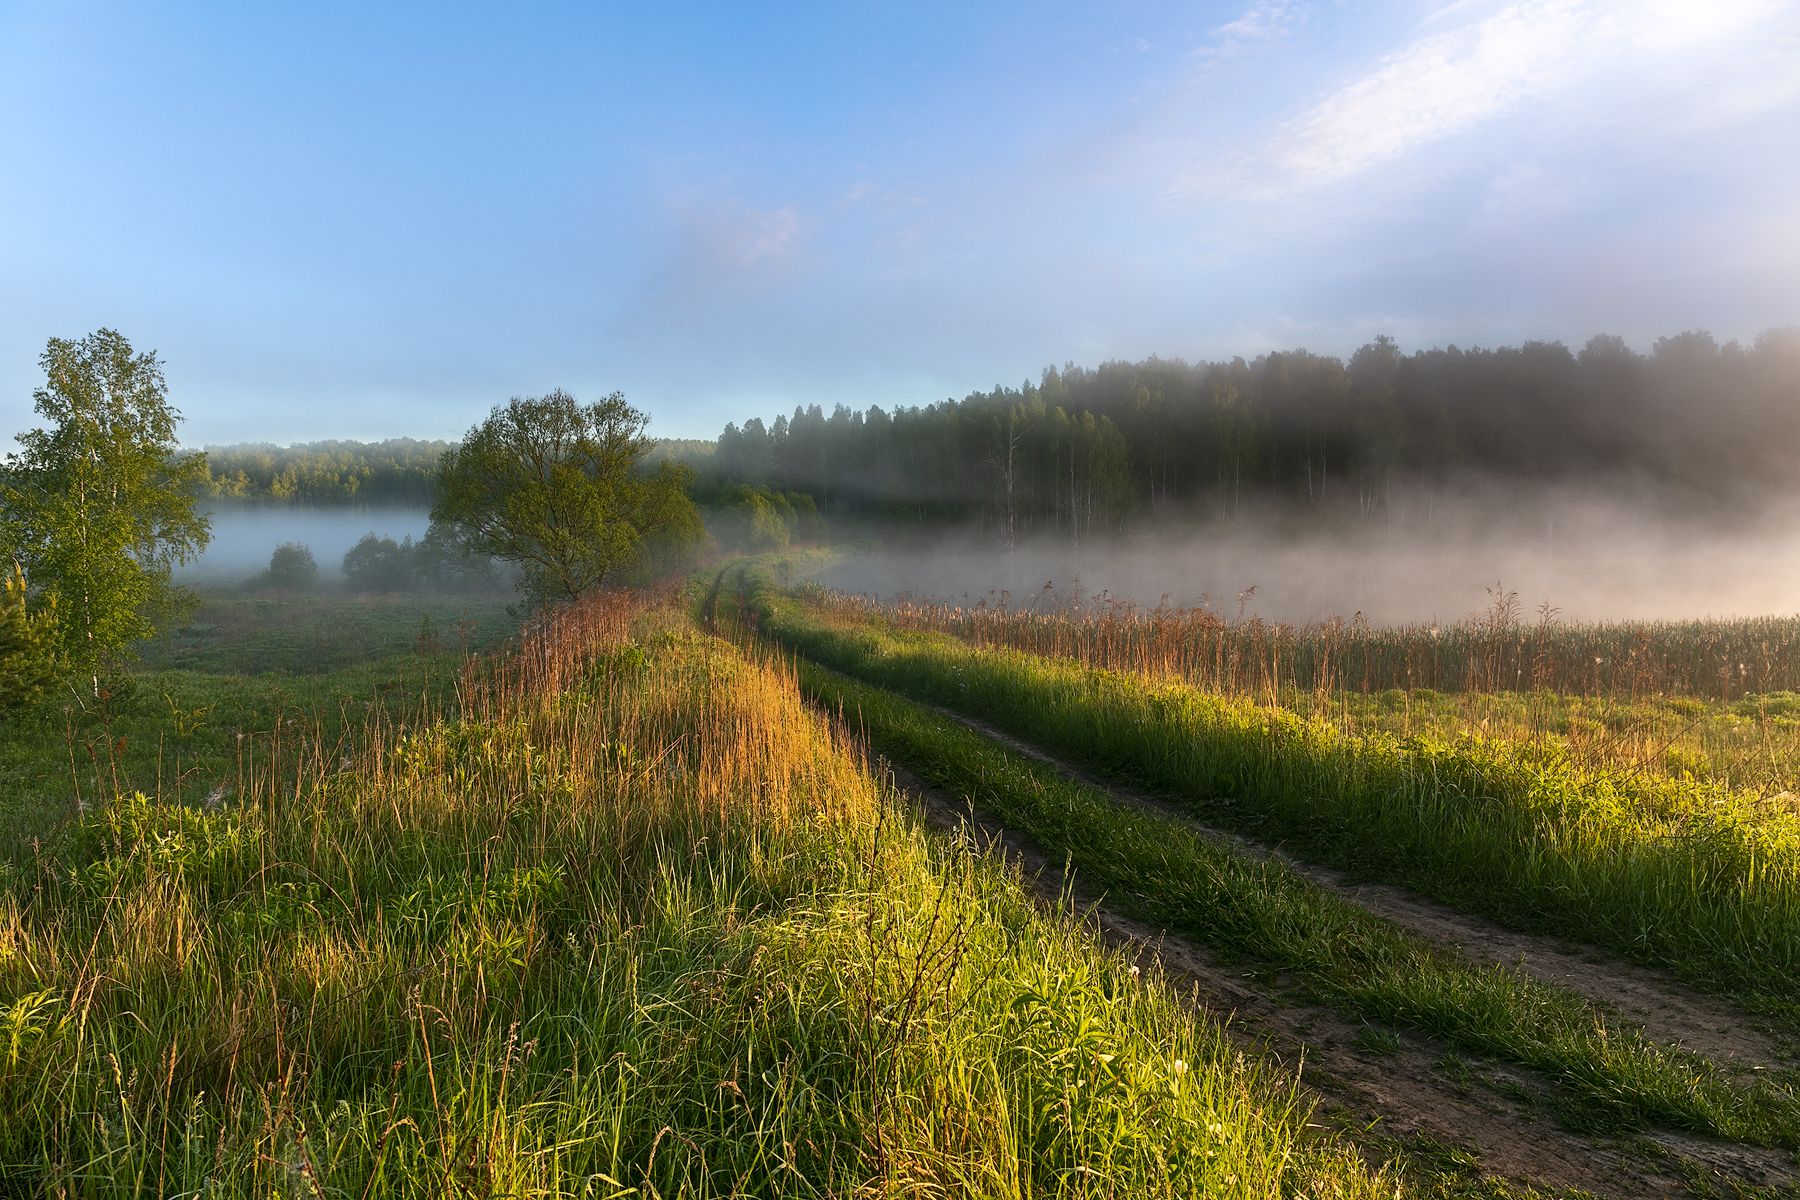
column 1158, row 868
column 273, row 661
column 292, row 567
column 757, row 520
column 558, row 488
column 378, row 564
column 1078, row 452
column 101, row 506
column 30, row 644
column 665, row 938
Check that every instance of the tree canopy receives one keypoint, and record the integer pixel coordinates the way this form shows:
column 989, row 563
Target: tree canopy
column 98, row 507
column 562, row 490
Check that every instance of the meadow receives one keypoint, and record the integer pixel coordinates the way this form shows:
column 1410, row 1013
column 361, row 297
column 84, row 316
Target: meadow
column 246, row 675
column 1298, row 801
column 605, row 911
column 1714, row 700
column 395, row 895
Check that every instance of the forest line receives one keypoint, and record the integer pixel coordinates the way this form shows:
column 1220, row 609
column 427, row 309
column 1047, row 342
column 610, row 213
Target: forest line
column 1085, row 450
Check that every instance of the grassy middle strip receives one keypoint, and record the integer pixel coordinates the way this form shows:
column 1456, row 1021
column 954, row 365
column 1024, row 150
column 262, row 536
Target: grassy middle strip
column 1160, row 870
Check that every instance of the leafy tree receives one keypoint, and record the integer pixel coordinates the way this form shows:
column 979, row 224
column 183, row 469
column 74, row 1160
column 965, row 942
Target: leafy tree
column 98, row 508
column 292, row 566
column 561, row 489
column 755, row 520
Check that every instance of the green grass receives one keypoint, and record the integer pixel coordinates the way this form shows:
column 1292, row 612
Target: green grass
column 1262, row 913
column 1677, row 873
column 242, row 679
column 633, row 923
column 311, row 633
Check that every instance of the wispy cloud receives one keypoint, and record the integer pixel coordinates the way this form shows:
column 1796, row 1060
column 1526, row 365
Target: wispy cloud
column 1262, row 22
column 1499, row 61
column 1435, row 87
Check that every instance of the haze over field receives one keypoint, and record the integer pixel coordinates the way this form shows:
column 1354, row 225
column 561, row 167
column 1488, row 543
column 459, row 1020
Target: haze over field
column 1591, row 559
column 350, row 224
column 243, row 537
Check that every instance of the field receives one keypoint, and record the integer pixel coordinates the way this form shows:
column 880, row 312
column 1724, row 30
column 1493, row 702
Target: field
column 248, row 675
column 1583, row 897
column 749, row 890
column 606, row 912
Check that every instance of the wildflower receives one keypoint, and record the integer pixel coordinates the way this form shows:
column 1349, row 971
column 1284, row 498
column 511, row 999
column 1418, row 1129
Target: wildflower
column 1180, row 1067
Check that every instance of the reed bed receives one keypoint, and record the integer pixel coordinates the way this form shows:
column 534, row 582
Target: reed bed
column 1500, row 649
column 631, row 922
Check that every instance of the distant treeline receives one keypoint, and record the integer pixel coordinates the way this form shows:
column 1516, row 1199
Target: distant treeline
column 401, row 472
column 1084, row 449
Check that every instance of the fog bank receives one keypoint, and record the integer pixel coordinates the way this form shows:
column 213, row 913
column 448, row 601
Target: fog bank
column 1593, row 560
column 243, row 537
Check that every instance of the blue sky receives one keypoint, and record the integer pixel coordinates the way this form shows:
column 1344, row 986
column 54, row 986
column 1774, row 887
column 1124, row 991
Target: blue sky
column 372, row 220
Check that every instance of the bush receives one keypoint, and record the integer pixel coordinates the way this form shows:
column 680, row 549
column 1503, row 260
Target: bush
column 30, row 658
column 379, row 564
column 292, row 566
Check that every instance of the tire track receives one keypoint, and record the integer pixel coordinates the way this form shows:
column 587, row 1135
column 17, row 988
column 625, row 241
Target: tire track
column 1398, row 1095
column 1664, row 1008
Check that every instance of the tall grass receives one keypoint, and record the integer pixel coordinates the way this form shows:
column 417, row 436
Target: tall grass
column 1677, row 873
column 633, row 923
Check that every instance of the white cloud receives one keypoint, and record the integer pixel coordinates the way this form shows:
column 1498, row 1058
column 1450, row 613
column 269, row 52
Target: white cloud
column 1437, row 86
column 1263, row 19
column 1721, row 61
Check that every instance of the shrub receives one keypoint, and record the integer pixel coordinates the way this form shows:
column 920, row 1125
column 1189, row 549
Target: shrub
column 292, row 566
column 757, row 519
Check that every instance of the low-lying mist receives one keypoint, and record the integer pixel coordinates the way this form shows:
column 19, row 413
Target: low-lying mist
column 243, row 537
column 1591, row 559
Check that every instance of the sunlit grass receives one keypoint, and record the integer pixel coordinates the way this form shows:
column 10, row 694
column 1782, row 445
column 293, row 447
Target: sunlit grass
column 1261, row 913
column 632, row 921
